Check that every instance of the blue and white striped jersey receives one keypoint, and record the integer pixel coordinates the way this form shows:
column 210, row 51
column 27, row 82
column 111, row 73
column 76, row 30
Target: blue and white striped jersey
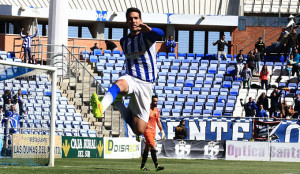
column 140, row 53
column 27, row 39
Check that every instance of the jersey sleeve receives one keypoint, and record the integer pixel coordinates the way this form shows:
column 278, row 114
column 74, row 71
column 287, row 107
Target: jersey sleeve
column 154, row 35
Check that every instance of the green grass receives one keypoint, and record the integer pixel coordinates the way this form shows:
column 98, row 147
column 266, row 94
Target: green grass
column 85, row 166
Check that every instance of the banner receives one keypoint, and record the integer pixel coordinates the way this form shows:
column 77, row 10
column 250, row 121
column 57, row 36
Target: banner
column 189, row 149
column 82, row 147
column 285, row 152
column 34, row 146
column 262, row 128
column 206, row 128
column 287, row 131
column 122, row 148
column 247, row 150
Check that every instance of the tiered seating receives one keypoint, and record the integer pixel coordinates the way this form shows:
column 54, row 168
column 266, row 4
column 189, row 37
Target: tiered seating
column 271, row 6
column 186, row 86
column 37, row 103
column 10, row 56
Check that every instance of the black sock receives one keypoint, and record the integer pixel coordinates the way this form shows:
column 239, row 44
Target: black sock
column 145, row 156
column 154, row 157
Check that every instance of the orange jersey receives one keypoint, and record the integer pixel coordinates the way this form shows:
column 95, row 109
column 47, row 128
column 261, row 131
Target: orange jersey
column 153, row 120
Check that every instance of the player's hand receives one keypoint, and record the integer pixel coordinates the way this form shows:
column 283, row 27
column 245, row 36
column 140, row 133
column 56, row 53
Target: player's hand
column 213, row 43
column 163, row 135
column 144, row 28
column 22, row 29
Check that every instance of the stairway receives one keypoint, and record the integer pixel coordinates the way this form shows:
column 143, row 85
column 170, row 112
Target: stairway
column 78, row 94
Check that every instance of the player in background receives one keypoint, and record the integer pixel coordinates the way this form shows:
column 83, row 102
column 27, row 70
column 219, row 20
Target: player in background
column 149, row 135
column 140, row 51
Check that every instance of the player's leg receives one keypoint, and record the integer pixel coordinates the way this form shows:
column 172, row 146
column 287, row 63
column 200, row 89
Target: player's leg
column 126, row 113
column 224, row 55
column 146, row 151
column 109, row 97
column 218, row 55
column 153, row 154
column 25, row 54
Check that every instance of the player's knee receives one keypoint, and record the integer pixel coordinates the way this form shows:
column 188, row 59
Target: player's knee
column 122, row 84
column 139, row 131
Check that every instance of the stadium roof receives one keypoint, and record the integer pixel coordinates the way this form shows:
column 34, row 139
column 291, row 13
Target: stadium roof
column 193, row 7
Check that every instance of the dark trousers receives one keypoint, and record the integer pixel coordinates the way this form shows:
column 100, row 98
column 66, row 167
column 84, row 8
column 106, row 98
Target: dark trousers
column 295, row 69
column 264, row 82
column 27, row 50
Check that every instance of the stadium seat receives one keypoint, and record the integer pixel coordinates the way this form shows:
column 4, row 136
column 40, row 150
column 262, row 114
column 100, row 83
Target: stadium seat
column 93, row 59
column 190, row 56
column 181, row 97
column 178, row 105
column 161, row 97
column 171, row 56
column 97, row 52
column 186, row 90
column 171, row 97
column 191, row 98
column 207, row 112
column 165, row 112
column 181, row 56
column 201, row 98
column 116, row 53
column 211, row 98
column 168, row 90
column 176, row 62
column 107, row 53
column 199, row 105
column 162, row 55
column 217, row 113
column 177, row 90
column 197, row 112
column 168, row 105
column 196, row 90
column 176, row 112
column 167, row 62
column 186, row 112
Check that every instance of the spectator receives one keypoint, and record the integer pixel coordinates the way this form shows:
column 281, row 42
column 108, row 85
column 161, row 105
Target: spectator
column 289, row 66
column 260, row 111
column 260, row 46
column 274, row 101
column 221, row 46
column 292, row 41
column 257, row 60
column 1, row 114
column 27, row 44
column 180, row 131
column 20, row 101
column 15, row 102
column 246, row 76
column 94, row 47
column 287, row 111
column 264, row 77
column 296, row 61
column 33, row 60
column 170, row 44
column 250, row 61
column 6, row 96
column 8, row 105
column 12, row 111
column 297, row 104
column 282, row 40
column 249, row 107
column 240, row 57
column 263, row 100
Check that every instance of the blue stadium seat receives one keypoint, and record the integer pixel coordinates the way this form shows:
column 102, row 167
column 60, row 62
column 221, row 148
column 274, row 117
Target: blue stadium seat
column 107, row 53
column 176, row 112
column 171, row 56
column 211, row 98
column 181, row 97
column 220, row 106
column 85, row 54
column 177, row 90
column 160, row 104
column 178, row 105
column 234, row 92
column 212, row 70
column 199, row 56
column 207, row 112
column 91, row 132
column 227, row 84
column 159, row 61
column 117, row 53
column 171, row 97
column 93, row 59
column 162, row 55
column 168, row 90
column 229, row 107
column 164, row 68
column 161, row 82
column 193, row 69
column 184, row 69
column 181, row 56
column 165, row 112
column 202, row 69
column 204, row 63
column 214, row 91
column 200, row 76
column 179, row 83
column 205, row 91
column 102, row 60
column 197, row 112
column 168, row 104
column 224, row 91
column 162, row 75
column 186, row 112
column 222, row 70
column 174, row 69
column 176, row 62
column 222, row 98
column 181, row 76
column 158, row 89
column 199, row 105
column 196, row 90
column 195, row 63
column 191, row 98
column 201, row 98
column 171, row 82
column 207, row 84
column 161, row 97
column 189, row 105
column 210, row 77
column 97, row 52
column 118, row 67
column 199, row 83
column 217, row 113
column 167, row 62
column 189, row 83
column 209, row 106
column 186, row 90
column 231, row 99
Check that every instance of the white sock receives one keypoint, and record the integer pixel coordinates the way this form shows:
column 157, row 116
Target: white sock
column 106, row 101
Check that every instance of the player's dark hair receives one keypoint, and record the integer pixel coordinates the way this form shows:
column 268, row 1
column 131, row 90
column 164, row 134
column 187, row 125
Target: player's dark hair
column 154, row 96
column 182, row 121
column 133, row 9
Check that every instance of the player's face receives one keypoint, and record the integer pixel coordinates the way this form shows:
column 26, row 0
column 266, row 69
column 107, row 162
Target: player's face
column 154, row 102
column 133, row 22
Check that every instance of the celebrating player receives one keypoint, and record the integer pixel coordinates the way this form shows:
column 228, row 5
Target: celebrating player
column 149, row 135
column 140, row 51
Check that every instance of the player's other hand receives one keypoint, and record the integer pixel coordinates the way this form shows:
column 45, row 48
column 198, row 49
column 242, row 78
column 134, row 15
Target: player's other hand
column 144, row 27
column 163, row 135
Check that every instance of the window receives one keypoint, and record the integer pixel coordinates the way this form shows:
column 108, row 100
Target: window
column 183, row 41
column 73, row 31
column 117, row 33
column 106, row 32
column 242, row 24
column 199, row 42
column 213, row 36
column 85, row 33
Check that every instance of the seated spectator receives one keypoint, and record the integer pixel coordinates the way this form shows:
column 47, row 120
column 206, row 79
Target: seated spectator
column 180, row 131
column 260, row 111
column 264, row 77
column 94, row 47
column 250, row 61
column 246, row 76
column 297, row 105
column 19, row 99
column 274, row 102
column 16, row 103
column 12, row 111
column 6, row 96
column 1, row 114
column 249, row 107
column 240, row 57
column 263, row 100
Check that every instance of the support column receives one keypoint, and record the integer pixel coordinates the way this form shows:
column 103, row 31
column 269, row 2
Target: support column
column 58, row 35
column 97, row 30
column 170, row 30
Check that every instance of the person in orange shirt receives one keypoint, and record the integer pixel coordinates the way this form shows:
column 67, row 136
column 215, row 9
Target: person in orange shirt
column 149, row 135
column 264, row 77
